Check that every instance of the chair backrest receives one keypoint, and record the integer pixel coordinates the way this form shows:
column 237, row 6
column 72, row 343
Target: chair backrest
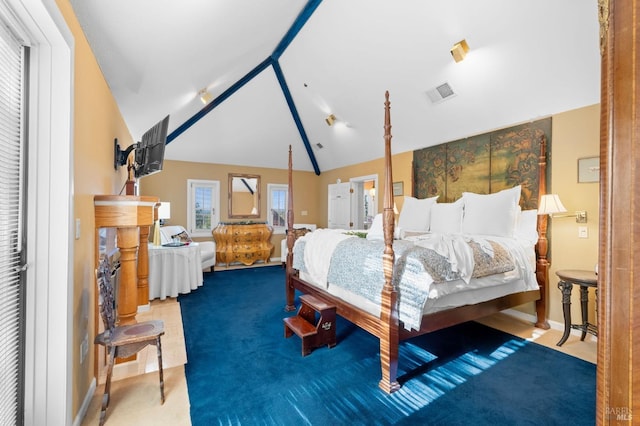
column 104, row 275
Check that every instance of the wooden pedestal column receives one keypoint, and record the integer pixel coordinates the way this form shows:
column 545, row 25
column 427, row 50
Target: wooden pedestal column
column 143, row 266
column 132, row 216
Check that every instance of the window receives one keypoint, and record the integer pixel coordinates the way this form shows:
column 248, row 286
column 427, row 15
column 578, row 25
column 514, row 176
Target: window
column 277, row 198
column 13, row 69
column 203, row 206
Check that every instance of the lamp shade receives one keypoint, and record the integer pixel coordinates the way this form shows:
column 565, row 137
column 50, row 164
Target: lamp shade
column 164, row 211
column 550, row 203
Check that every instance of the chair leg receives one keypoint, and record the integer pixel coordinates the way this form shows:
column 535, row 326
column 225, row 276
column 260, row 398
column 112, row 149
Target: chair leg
column 159, row 350
column 106, row 398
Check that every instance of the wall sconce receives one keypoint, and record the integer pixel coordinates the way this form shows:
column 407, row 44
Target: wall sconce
column 330, row 119
column 551, row 204
column 205, row 96
column 459, row 50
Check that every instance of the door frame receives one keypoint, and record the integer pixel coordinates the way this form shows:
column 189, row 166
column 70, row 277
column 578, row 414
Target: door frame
column 358, row 183
column 48, row 224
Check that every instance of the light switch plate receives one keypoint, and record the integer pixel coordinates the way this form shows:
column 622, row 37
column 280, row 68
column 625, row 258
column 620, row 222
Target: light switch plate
column 77, row 228
column 583, row 232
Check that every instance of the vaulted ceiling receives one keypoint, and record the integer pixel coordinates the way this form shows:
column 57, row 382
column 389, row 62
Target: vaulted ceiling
column 276, row 69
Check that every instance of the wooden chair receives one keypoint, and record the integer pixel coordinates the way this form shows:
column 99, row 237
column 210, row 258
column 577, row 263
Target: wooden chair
column 122, row 341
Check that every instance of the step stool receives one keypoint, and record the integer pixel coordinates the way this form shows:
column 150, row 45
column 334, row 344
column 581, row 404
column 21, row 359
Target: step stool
column 315, row 324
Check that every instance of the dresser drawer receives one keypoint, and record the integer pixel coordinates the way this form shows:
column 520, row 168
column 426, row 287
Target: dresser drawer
column 243, row 243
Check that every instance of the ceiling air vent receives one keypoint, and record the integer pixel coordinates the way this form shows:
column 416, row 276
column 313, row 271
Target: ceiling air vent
column 441, row 93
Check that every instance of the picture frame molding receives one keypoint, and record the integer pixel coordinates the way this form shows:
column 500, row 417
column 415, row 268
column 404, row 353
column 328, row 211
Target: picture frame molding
column 588, row 169
column 398, row 189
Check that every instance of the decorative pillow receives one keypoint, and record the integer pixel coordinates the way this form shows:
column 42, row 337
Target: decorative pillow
column 527, row 226
column 446, row 218
column 376, row 232
column 491, row 214
column 299, row 232
column 183, row 237
column 416, row 213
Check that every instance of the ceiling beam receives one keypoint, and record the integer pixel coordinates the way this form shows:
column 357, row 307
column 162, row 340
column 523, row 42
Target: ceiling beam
column 272, row 60
column 295, row 28
column 295, row 115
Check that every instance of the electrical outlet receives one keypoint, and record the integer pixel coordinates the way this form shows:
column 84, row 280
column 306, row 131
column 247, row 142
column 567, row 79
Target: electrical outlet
column 583, row 232
column 303, row 213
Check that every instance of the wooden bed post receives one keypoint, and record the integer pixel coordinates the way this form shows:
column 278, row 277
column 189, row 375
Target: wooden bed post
column 542, row 264
column 290, row 291
column 389, row 337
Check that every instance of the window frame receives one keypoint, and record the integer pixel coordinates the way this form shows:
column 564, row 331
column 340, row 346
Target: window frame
column 192, row 186
column 272, row 187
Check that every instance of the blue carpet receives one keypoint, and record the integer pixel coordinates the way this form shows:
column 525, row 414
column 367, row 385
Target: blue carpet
column 241, row 369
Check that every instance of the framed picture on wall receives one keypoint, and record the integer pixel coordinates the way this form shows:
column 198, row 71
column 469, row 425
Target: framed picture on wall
column 588, row 169
column 398, row 189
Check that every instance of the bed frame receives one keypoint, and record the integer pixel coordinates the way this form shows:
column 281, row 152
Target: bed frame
column 387, row 327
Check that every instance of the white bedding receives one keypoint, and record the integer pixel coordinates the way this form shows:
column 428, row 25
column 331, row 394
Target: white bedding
column 444, row 295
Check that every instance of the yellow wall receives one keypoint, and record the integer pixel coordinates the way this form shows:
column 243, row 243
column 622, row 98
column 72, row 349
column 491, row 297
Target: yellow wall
column 97, row 121
column 576, row 134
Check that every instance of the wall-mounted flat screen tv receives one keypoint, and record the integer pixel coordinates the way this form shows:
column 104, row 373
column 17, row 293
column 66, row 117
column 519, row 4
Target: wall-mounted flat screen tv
column 149, row 155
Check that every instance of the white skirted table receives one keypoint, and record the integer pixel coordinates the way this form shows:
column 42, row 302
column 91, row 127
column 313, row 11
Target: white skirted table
column 174, row 270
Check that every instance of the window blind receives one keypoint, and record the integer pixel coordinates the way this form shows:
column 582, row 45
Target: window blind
column 12, row 89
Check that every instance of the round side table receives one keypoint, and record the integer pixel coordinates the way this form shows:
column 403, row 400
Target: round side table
column 585, row 279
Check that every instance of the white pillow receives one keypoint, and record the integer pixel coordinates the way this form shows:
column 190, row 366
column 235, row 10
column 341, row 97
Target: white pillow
column 527, row 226
column 416, row 213
column 446, row 218
column 376, row 232
column 491, row 214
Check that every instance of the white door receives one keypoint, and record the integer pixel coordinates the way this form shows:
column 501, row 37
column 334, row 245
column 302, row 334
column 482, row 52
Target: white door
column 340, row 206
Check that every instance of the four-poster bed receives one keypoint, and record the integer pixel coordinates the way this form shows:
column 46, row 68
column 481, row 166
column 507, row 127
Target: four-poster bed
column 385, row 323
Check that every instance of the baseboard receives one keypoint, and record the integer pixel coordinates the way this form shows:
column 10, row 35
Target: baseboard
column 523, row 316
column 82, row 412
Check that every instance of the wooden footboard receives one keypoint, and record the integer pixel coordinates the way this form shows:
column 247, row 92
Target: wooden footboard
column 387, row 326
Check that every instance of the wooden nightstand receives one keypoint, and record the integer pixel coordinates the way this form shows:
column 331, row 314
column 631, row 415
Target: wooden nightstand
column 585, row 279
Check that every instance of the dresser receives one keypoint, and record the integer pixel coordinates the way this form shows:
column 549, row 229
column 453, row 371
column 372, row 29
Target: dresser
column 243, row 243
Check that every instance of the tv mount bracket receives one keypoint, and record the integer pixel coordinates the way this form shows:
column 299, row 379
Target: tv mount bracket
column 120, row 156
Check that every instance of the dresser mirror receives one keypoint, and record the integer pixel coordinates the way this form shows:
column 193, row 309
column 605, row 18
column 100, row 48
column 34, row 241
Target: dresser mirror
column 244, row 196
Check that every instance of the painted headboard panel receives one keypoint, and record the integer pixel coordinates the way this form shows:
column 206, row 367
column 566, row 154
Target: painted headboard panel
column 484, row 164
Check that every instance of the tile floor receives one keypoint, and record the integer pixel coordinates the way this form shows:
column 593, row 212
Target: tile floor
column 136, row 400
